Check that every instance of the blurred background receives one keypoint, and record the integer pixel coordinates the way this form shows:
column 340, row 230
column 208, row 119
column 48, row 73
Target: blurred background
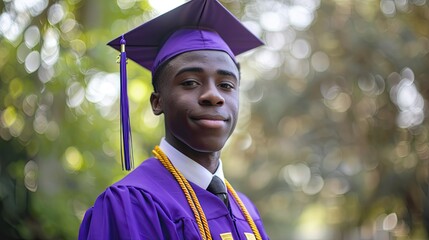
column 333, row 136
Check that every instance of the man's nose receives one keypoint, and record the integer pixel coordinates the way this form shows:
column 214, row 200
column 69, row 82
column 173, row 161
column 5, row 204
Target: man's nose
column 211, row 96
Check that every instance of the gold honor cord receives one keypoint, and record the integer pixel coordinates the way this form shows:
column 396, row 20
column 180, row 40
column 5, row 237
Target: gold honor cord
column 193, row 202
column 189, row 193
column 244, row 211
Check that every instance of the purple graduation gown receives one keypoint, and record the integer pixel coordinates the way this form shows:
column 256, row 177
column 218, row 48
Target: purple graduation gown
column 149, row 204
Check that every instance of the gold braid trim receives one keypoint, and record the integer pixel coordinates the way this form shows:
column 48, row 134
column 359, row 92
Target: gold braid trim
column 192, row 199
column 244, row 211
column 193, row 202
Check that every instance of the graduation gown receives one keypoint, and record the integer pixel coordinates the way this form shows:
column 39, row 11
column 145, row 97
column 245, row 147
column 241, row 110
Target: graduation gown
column 149, row 204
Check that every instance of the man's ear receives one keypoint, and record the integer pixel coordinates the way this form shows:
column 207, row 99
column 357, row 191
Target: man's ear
column 155, row 102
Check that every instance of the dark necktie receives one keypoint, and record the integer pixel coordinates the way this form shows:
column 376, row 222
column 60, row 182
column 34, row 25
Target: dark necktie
column 217, row 187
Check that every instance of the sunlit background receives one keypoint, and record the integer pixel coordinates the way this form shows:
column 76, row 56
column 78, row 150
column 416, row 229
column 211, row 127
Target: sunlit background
column 332, row 141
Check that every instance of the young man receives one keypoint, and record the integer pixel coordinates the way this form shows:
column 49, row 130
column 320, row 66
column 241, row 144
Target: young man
column 181, row 192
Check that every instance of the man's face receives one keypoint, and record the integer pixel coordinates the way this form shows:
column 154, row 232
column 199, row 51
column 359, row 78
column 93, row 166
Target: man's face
column 198, row 95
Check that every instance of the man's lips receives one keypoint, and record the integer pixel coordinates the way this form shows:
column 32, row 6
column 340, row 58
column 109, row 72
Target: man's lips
column 210, row 121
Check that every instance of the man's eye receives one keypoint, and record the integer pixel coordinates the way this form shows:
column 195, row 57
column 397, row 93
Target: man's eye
column 189, row 83
column 227, row 85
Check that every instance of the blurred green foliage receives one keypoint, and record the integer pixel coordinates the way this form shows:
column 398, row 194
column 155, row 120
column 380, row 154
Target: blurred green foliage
column 332, row 141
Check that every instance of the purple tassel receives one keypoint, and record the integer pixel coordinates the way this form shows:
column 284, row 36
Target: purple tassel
column 126, row 139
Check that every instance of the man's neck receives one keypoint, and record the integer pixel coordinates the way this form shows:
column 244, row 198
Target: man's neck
column 209, row 160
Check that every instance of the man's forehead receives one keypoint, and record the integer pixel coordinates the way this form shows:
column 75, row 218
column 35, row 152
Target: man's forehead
column 203, row 60
column 205, row 55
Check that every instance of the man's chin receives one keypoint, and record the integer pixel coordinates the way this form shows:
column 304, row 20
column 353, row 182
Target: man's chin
column 207, row 146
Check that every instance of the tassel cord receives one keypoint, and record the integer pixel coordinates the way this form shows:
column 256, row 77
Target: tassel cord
column 126, row 138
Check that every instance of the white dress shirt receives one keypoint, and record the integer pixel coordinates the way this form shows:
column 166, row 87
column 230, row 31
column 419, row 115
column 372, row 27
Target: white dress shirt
column 190, row 169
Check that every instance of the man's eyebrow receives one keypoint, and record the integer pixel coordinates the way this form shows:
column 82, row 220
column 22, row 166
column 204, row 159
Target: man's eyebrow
column 226, row 73
column 189, row 69
column 200, row 70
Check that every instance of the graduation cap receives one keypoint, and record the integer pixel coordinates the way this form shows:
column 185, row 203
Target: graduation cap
column 195, row 25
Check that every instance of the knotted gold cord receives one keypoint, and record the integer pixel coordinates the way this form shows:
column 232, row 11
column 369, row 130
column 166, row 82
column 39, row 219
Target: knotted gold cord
column 244, row 211
column 192, row 199
column 193, row 202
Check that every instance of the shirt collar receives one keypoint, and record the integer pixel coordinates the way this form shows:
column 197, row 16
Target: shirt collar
column 191, row 170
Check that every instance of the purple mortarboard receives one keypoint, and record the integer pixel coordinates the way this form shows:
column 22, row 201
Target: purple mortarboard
column 195, row 25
